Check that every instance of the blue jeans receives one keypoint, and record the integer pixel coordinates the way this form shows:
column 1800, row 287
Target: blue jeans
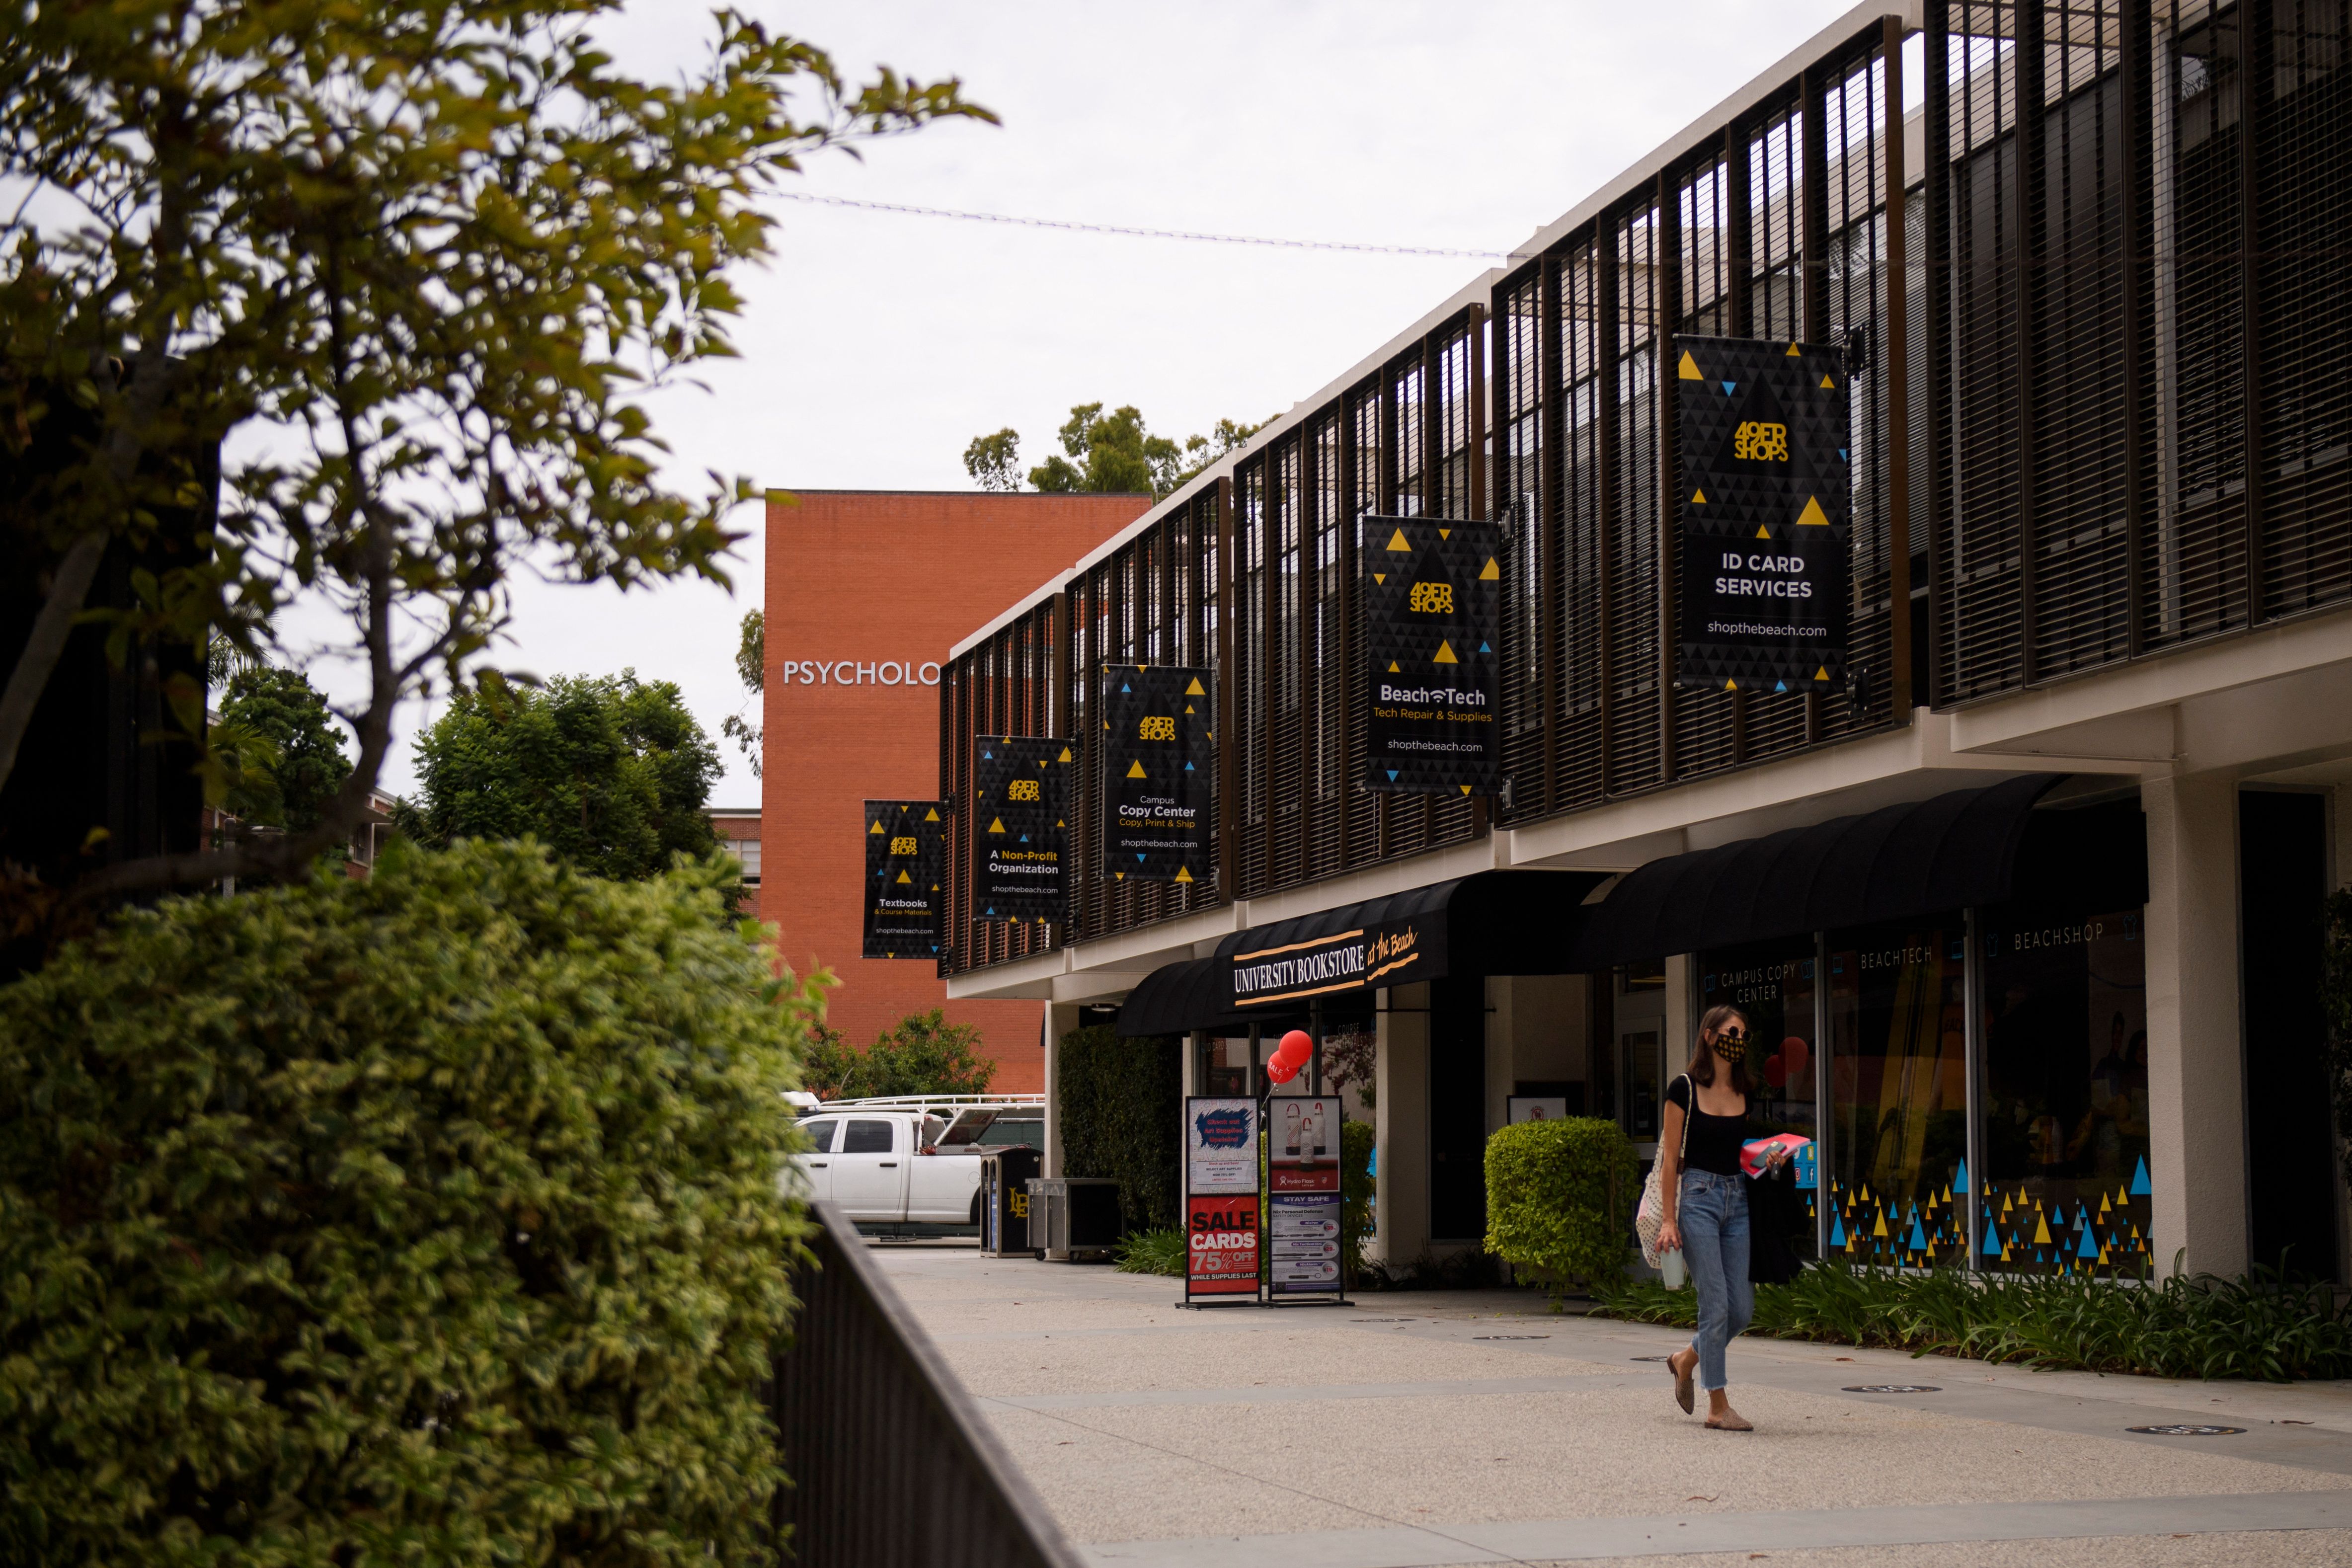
column 1712, row 1212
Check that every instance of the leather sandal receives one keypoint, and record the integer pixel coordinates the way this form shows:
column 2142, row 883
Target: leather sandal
column 1683, row 1376
column 1734, row 1422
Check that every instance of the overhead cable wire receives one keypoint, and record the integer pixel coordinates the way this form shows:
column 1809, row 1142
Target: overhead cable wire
column 1141, row 233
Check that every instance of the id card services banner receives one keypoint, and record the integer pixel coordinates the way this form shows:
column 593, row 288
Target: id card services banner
column 1157, row 735
column 1220, row 1145
column 1020, row 828
column 905, row 861
column 1433, row 601
column 1766, row 510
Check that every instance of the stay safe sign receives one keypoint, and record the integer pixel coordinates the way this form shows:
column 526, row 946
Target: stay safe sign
column 1221, row 1244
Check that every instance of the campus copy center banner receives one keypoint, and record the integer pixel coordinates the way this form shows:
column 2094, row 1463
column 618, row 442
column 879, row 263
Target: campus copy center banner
column 1020, row 829
column 905, row 861
column 1156, row 736
column 1432, row 597
column 1766, row 511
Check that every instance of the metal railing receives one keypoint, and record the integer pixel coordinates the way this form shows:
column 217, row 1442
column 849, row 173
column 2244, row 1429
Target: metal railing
column 890, row 1459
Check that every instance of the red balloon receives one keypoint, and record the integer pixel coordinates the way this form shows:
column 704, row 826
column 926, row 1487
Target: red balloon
column 1297, row 1046
column 1776, row 1072
column 1281, row 1071
column 1795, row 1053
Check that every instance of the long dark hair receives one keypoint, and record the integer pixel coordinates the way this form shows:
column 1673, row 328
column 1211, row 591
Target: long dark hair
column 1702, row 1062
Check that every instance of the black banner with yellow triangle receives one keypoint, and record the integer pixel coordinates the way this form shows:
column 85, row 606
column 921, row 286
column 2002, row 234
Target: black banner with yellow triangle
column 1432, row 598
column 1020, row 828
column 906, row 863
column 1157, row 757
column 1765, row 491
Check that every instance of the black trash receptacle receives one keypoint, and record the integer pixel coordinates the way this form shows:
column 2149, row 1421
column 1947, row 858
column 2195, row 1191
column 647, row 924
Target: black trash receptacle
column 1074, row 1219
column 1004, row 1199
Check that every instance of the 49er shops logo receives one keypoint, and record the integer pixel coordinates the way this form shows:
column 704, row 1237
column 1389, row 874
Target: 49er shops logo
column 1021, row 789
column 902, row 846
column 1757, row 442
column 1430, row 599
column 1155, row 727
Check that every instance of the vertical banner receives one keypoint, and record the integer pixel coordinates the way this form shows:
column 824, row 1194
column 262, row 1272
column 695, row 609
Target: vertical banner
column 1020, row 831
column 1155, row 772
column 1220, row 1196
column 905, row 861
column 1766, row 511
column 1302, row 1178
column 1432, row 597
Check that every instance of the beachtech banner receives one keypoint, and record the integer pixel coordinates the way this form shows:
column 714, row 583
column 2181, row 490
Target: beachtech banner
column 905, row 861
column 1432, row 595
column 1020, row 828
column 1765, row 515
column 1394, row 953
column 1155, row 754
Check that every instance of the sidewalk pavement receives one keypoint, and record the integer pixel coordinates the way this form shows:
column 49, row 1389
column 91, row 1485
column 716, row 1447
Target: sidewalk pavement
column 1412, row 1430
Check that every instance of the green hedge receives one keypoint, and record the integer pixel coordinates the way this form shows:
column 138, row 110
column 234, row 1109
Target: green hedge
column 1356, row 1189
column 428, row 1219
column 1122, row 1106
column 1561, row 1197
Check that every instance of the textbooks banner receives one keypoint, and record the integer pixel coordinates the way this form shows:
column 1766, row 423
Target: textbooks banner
column 1766, row 511
column 1020, row 829
column 906, row 859
column 1431, row 596
column 1157, row 735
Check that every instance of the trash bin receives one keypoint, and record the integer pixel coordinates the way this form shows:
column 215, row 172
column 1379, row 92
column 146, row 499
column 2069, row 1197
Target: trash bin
column 1004, row 1199
column 1072, row 1220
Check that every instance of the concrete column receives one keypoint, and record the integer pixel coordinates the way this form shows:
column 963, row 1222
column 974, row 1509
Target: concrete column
column 2197, row 1160
column 1192, row 1065
column 1061, row 1017
column 1682, row 1013
column 1502, row 1034
column 1402, row 1120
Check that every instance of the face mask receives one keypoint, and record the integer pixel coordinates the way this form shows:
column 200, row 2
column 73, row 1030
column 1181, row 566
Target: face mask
column 1729, row 1051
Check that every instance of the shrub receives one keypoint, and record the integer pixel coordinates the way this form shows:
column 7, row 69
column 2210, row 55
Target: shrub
column 1151, row 1252
column 1560, row 1196
column 428, row 1219
column 1356, row 1191
column 1122, row 1111
column 921, row 1053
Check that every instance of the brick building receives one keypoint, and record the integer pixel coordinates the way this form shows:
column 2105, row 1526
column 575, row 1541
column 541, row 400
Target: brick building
column 866, row 592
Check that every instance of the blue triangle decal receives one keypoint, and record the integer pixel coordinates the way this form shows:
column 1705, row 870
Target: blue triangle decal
column 2089, row 1247
column 1841, row 454
column 1138, row 856
column 1125, row 689
column 1188, row 767
column 1992, row 1241
column 1025, row 838
column 1483, row 648
column 1783, row 686
column 1729, row 387
column 1960, row 1178
column 1837, row 1232
column 2139, row 1187
column 1393, row 773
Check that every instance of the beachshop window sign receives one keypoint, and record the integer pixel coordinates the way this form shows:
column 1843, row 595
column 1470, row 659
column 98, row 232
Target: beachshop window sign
column 906, row 859
column 1020, row 828
column 1433, row 597
column 856, row 672
column 1395, row 954
column 1766, row 514
column 1155, row 754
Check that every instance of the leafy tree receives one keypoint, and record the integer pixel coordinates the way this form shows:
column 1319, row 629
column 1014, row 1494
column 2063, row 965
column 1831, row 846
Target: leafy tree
column 923, row 1054
column 290, row 782
column 1112, row 453
column 751, row 663
column 611, row 774
column 435, row 252
column 428, row 1219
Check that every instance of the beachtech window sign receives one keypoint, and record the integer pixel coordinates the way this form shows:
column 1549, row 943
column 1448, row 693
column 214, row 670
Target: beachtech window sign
column 1432, row 595
column 1765, row 515
column 1395, row 954
column 1020, row 828
column 1156, row 761
column 906, row 857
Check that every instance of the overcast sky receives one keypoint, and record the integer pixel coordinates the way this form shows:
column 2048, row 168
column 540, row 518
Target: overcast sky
column 875, row 346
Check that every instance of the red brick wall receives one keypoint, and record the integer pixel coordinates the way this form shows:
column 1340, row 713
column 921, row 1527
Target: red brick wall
column 869, row 576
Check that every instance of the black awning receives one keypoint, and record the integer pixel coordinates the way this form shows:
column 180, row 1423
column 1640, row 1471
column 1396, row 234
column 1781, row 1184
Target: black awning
column 1957, row 850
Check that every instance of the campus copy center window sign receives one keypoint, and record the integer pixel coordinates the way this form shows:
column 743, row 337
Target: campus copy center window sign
column 1155, row 738
column 906, row 859
column 1220, row 1196
column 1020, row 828
column 1431, row 596
column 1302, row 1178
column 1766, row 511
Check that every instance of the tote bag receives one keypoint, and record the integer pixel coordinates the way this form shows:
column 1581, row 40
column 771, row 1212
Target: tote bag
column 1651, row 1214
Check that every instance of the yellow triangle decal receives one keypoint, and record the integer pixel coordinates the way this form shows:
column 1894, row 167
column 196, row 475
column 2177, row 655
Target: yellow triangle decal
column 997, row 826
column 1188, row 708
column 1135, row 770
column 904, row 878
column 1380, row 577
column 1793, row 351
column 877, row 827
column 1445, row 654
column 1492, row 572
column 1690, row 369
column 1444, row 533
column 932, row 815
column 1062, row 758
column 2041, row 1229
column 1120, row 875
column 1822, row 673
column 1762, row 532
column 1194, row 689
column 1881, row 1229
column 1812, row 516
column 1396, row 541
column 1465, row 789
column 1731, row 686
column 1393, row 670
column 1699, row 498
column 1183, row 874
column 1828, row 383
column 1057, row 822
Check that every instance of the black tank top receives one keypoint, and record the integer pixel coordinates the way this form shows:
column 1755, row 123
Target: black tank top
column 1715, row 1141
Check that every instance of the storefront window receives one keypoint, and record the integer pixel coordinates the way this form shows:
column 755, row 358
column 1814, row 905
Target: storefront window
column 1898, row 1087
column 1773, row 985
column 2064, row 1015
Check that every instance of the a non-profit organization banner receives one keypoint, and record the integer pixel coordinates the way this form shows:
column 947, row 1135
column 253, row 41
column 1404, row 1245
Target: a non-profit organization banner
column 1158, row 727
column 1020, row 830
column 1765, row 513
column 1432, row 595
column 906, row 859
column 1302, row 1178
column 1393, row 952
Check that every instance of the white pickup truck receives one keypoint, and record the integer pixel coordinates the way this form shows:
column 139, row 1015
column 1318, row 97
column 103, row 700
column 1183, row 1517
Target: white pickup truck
column 909, row 1163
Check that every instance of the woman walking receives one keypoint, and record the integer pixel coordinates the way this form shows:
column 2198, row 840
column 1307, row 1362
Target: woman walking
column 1705, row 1204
